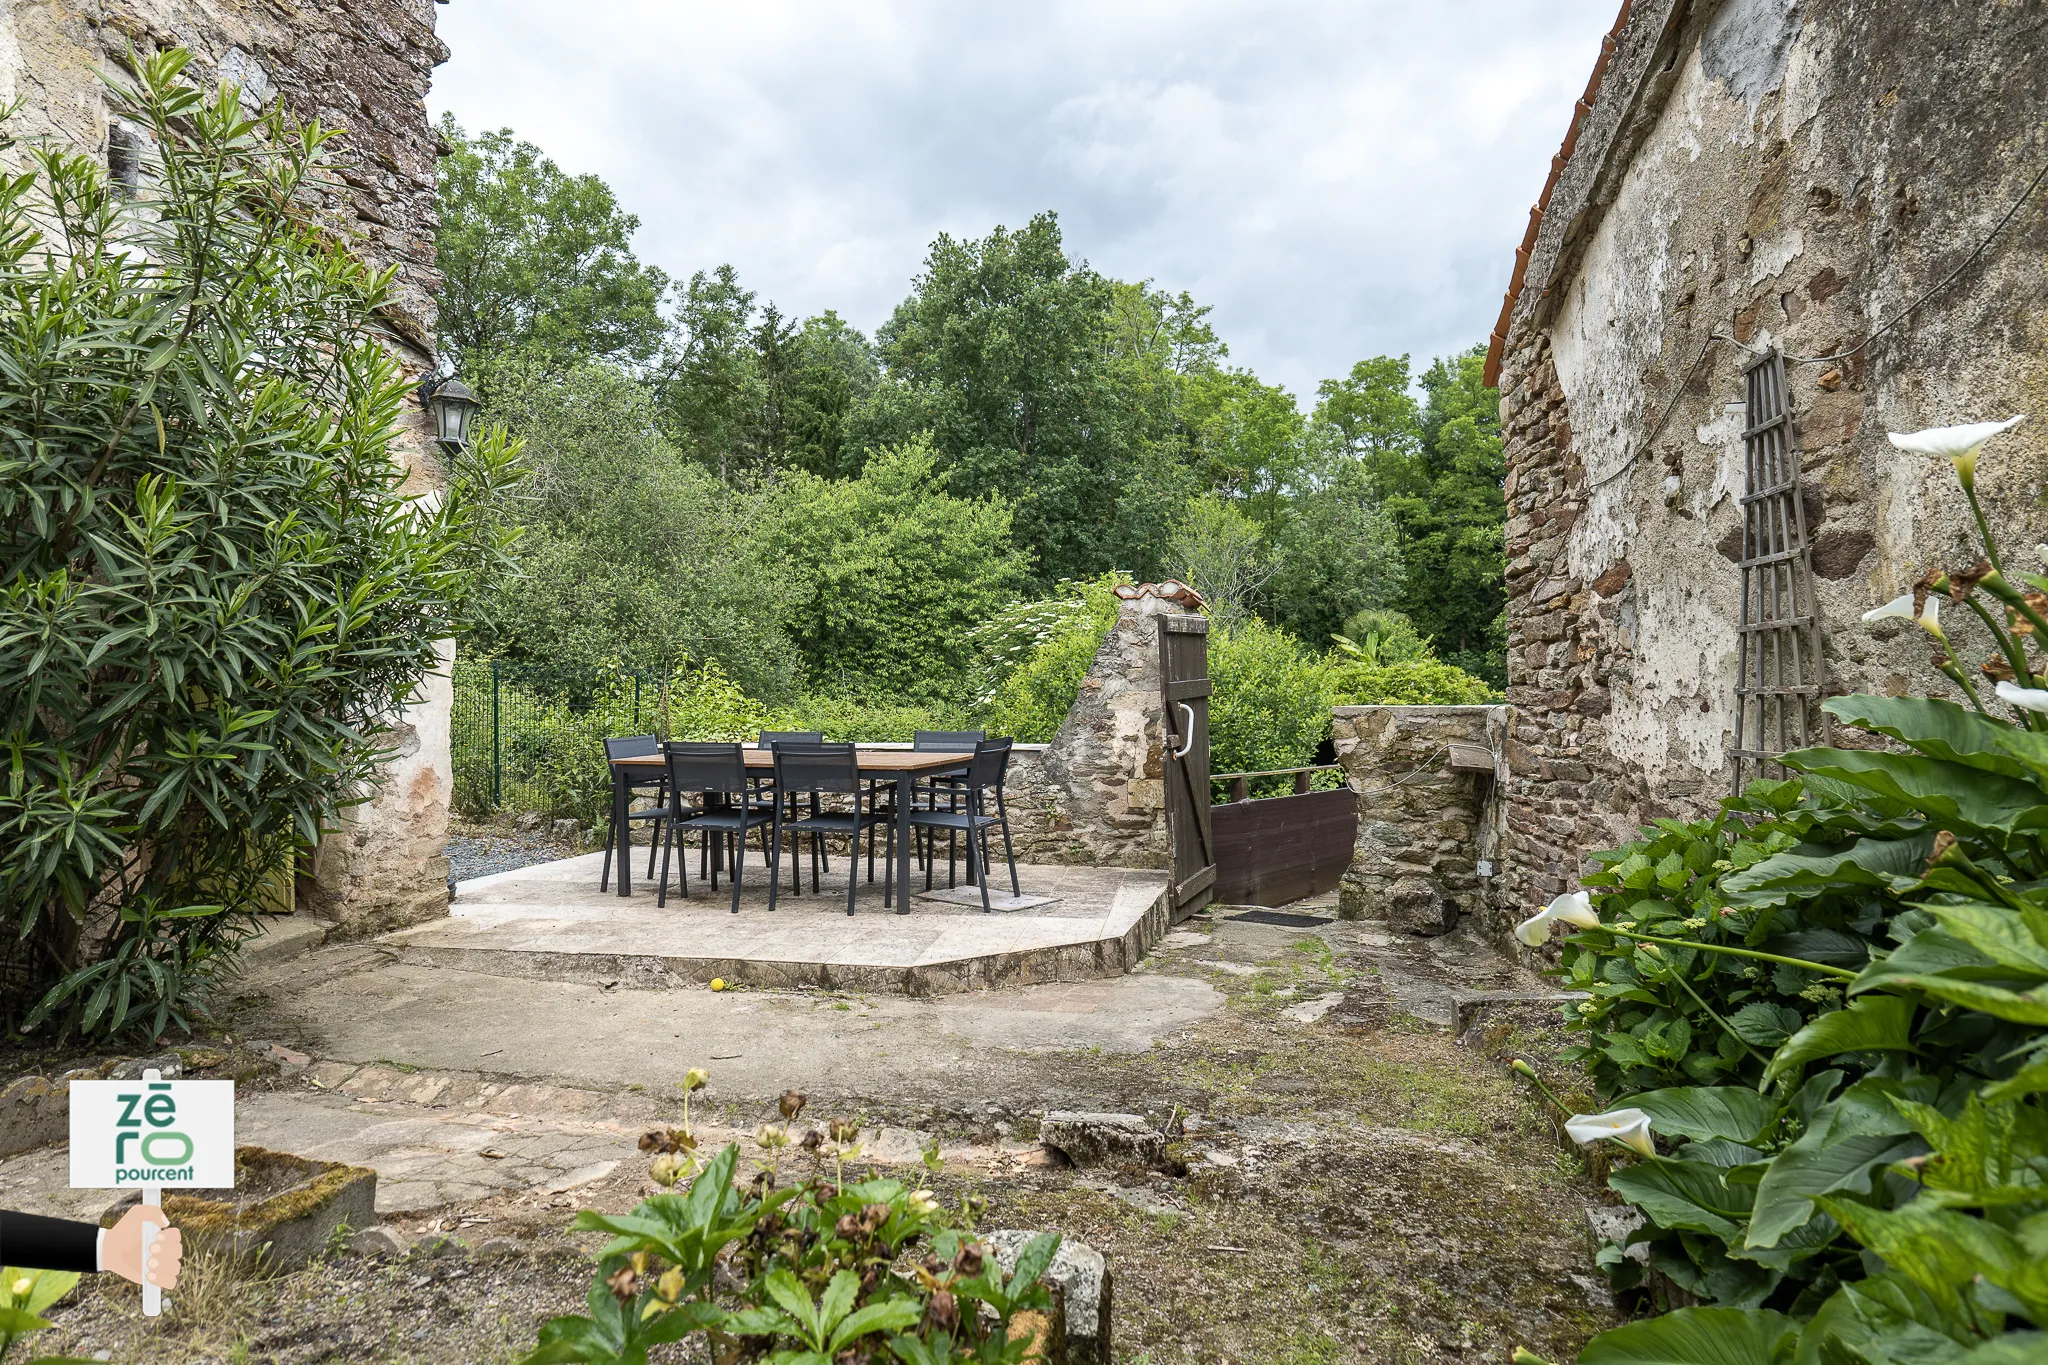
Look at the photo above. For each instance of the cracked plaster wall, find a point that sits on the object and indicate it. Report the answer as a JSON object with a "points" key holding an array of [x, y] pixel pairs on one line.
{"points": [[1805, 171], [362, 66]]}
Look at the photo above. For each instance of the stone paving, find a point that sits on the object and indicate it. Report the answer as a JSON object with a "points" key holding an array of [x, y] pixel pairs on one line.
{"points": [[550, 921]]}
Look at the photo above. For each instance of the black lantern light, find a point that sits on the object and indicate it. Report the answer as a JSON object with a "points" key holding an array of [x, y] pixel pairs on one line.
{"points": [[454, 406]]}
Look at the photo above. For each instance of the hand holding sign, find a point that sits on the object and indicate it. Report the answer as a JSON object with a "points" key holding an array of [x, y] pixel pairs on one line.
{"points": [[149, 1134], [122, 1252]]}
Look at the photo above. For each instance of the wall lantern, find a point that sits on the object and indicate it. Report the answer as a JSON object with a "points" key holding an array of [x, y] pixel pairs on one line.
{"points": [[454, 406]]}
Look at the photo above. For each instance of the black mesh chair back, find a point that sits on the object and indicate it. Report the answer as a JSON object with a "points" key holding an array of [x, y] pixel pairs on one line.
{"points": [[636, 746], [695, 766], [991, 761], [817, 767], [771, 738], [946, 741]]}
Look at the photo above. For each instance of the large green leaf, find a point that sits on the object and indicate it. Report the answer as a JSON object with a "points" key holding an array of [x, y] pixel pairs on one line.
{"points": [[1886, 864], [1930, 952], [1685, 1196], [2014, 1348], [1704, 1112], [1818, 1164], [1951, 794], [1996, 931], [1871, 1023], [1944, 730], [1889, 1320], [2018, 1007], [1698, 1336]]}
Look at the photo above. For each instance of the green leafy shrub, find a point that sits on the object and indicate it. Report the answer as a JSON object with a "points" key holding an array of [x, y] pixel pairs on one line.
{"points": [[861, 722], [891, 574], [1876, 1187], [1270, 707], [219, 593], [825, 1273], [553, 723], [1408, 682], [1032, 656]]}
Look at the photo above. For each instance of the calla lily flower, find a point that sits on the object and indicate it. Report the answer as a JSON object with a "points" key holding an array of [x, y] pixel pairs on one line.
{"points": [[1929, 617], [1573, 907], [1957, 445], [1630, 1127], [2026, 698]]}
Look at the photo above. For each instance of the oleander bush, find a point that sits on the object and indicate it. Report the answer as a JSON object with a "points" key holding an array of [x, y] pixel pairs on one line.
{"points": [[1824, 1015], [219, 592]]}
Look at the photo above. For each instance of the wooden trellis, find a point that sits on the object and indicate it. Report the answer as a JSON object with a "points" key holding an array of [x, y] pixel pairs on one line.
{"points": [[1781, 672]]}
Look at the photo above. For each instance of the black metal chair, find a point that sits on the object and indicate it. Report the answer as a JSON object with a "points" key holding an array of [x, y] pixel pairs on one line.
{"points": [[765, 791], [946, 784], [824, 770], [991, 762], [719, 773], [635, 746]]}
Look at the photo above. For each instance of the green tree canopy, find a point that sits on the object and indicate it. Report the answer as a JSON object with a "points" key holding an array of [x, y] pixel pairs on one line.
{"points": [[892, 571], [532, 256], [1001, 347], [635, 555]]}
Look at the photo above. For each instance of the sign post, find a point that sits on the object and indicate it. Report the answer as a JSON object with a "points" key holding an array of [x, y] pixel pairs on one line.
{"points": [[149, 1134]]}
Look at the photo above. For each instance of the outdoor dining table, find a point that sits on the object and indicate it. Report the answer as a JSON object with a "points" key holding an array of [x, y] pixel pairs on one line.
{"points": [[902, 766]]}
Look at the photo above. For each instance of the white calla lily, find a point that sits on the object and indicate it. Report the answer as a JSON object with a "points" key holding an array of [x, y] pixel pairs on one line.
{"points": [[1929, 616], [1573, 907], [1630, 1127], [2026, 698], [1958, 445]]}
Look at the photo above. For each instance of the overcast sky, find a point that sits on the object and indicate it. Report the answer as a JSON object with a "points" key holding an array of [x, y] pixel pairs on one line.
{"points": [[1339, 178]]}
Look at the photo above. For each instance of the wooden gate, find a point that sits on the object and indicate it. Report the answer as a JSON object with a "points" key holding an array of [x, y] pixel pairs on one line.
{"points": [[1184, 688]]}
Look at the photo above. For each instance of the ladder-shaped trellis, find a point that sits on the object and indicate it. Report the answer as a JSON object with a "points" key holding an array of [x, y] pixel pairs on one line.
{"points": [[1782, 670]]}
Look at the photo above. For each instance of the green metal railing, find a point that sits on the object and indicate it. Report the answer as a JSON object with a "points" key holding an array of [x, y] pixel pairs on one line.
{"points": [[530, 736]]}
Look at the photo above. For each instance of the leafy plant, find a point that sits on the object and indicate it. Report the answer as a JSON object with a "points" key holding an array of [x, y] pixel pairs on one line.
{"points": [[1877, 1190], [818, 1271], [1031, 657], [24, 1295], [219, 592]]}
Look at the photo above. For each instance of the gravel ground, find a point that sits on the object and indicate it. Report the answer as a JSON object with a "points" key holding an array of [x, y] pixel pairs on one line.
{"points": [[479, 855]]}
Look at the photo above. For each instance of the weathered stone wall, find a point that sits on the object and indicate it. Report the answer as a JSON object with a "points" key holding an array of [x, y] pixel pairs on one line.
{"points": [[1778, 174], [1097, 793], [362, 66], [1423, 828]]}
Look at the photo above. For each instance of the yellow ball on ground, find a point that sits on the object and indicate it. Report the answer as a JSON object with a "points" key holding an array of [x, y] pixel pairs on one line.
{"points": [[717, 983]]}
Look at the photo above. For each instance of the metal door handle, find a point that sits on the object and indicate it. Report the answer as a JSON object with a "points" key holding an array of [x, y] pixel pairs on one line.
{"points": [[1187, 731]]}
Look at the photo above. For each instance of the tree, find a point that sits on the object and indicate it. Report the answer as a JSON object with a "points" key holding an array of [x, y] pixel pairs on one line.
{"points": [[833, 372], [531, 256], [1335, 552], [1002, 353], [1217, 549], [219, 593], [635, 554], [892, 571], [710, 387], [1454, 536], [1370, 417]]}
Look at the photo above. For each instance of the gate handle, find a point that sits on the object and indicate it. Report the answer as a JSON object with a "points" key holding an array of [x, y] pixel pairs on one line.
{"points": [[1187, 732]]}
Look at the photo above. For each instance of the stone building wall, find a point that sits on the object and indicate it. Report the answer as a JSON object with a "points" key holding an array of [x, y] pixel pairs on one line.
{"points": [[1784, 175], [1425, 828], [362, 66]]}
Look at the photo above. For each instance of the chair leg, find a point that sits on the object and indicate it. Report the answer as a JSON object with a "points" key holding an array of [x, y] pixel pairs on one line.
{"points": [[871, 853], [739, 867], [775, 858], [680, 838], [604, 878], [1009, 849], [817, 858], [661, 887], [981, 836], [889, 866], [650, 845]]}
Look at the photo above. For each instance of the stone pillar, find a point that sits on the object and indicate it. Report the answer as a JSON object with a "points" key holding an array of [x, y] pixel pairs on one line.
{"points": [[1424, 826], [1097, 794]]}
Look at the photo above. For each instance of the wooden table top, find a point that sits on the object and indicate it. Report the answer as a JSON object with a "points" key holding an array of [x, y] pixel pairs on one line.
{"points": [[871, 760]]}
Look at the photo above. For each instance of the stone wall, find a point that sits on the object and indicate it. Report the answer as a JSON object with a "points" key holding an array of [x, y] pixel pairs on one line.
{"points": [[362, 66], [1097, 793], [1423, 826], [1778, 175]]}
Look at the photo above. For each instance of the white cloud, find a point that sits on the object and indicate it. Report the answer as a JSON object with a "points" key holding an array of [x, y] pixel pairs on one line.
{"points": [[1338, 179]]}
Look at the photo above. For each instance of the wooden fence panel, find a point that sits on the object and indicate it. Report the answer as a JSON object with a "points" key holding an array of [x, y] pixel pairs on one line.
{"points": [[1283, 848]]}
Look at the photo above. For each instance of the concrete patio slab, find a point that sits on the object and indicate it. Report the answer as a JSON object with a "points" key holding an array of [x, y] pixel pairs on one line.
{"points": [[549, 921]]}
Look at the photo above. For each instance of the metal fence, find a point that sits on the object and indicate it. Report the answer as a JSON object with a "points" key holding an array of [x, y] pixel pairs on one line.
{"points": [[530, 736]]}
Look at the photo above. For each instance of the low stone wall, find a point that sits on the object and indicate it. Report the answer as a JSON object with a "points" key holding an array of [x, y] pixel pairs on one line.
{"points": [[1423, 828]]}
